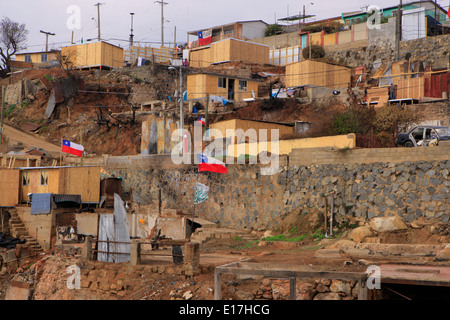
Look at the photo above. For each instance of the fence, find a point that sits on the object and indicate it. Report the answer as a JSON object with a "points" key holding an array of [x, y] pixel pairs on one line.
{"points": [[285, 56], [291, 54], [156, 55], [137, 251]]}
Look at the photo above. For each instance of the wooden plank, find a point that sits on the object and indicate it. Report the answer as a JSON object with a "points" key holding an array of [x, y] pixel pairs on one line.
{"points": [[291, 273], [292, 289], [217, 285], [9, 188]]}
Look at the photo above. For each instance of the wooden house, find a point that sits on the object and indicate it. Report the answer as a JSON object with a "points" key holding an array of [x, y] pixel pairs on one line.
{"points": [[229, 87], [37, 57], [315, 73], [229, 50], [100, 55], [84, 181]]}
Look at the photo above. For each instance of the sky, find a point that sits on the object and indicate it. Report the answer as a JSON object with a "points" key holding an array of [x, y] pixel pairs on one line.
{"points": [[182, 15]]}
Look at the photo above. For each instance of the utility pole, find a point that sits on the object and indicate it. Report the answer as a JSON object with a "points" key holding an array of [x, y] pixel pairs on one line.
{"points": [[175, 37], [46, 37], [131, 35], [98, 21], [162, 3], [399, 29]]}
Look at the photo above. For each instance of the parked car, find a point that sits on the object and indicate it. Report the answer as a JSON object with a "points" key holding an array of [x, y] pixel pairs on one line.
{"points": [[430, 135]]}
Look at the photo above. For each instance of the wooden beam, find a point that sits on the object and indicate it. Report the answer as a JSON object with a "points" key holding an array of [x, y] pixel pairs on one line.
{"points": [[292, 288], [274, 271]]}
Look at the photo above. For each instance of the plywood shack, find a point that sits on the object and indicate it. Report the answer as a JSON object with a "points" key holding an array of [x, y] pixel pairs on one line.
{"points": [[84, 181], [410, 88], [315, 73], [229, 87], [379, 95], [9, 187], [101, 55], [229, 50]]}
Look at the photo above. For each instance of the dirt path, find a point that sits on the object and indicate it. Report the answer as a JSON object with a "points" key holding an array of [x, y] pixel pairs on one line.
{"points": [[30, 140]]}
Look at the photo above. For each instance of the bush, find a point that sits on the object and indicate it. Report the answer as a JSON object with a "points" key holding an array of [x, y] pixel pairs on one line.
{"points": [[317, 52], [345, 123], [273, 29]]}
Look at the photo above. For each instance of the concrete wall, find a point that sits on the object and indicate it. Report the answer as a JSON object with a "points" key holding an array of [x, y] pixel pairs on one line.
{"points": [[409, 182], [287, 146], [385, 35], [41, 227]]}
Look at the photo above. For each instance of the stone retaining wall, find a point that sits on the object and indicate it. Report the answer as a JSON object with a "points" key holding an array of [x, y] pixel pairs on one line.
{"points": [[244, 198]]}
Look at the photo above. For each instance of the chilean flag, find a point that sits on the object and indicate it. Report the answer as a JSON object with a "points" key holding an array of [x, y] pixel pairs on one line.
{"points": [[211, 165], [204, 37], [72, 148], [201, 120], [448, 12]]}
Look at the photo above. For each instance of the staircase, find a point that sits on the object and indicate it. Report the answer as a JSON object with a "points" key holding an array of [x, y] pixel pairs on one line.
{"points": [[18, 230], [211, 231]]}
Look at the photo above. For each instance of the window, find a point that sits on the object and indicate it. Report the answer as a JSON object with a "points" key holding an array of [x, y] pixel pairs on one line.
{"points": [[229, 31], [44, 178], [26, 178], [27, 58], [222, 83], [243, 85], [44, 57]]}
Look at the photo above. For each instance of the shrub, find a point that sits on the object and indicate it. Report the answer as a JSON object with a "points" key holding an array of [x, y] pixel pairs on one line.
{"points": [[273, 29], [317, 52]]}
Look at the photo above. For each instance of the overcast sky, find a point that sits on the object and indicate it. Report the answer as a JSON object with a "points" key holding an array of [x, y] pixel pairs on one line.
{"points": [[185, 15]]}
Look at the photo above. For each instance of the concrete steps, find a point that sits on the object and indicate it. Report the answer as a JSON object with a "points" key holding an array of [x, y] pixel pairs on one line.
{"points": [[18, 230], [210, 232]]}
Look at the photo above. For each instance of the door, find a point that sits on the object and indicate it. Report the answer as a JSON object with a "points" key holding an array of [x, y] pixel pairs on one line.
{"points": [[304, 40], [231, 89]]}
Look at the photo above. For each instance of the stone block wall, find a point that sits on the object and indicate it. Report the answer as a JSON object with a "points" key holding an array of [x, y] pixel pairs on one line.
{"points": [[243, 198], [433, 50]]}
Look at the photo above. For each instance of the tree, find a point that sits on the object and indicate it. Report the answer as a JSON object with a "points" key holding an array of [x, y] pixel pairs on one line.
{"points": [[273, 29], [12, 36], [66, 61]]}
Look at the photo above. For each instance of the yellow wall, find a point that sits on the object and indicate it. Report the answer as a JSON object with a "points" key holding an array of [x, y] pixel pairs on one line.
{"points": [[329, 39], [309, 72], [94, 54], [286, 146], [198, 85], [36, 57]]}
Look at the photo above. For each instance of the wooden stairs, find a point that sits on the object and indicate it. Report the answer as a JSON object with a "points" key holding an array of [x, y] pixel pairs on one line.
{"points": [[18, 230]]}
